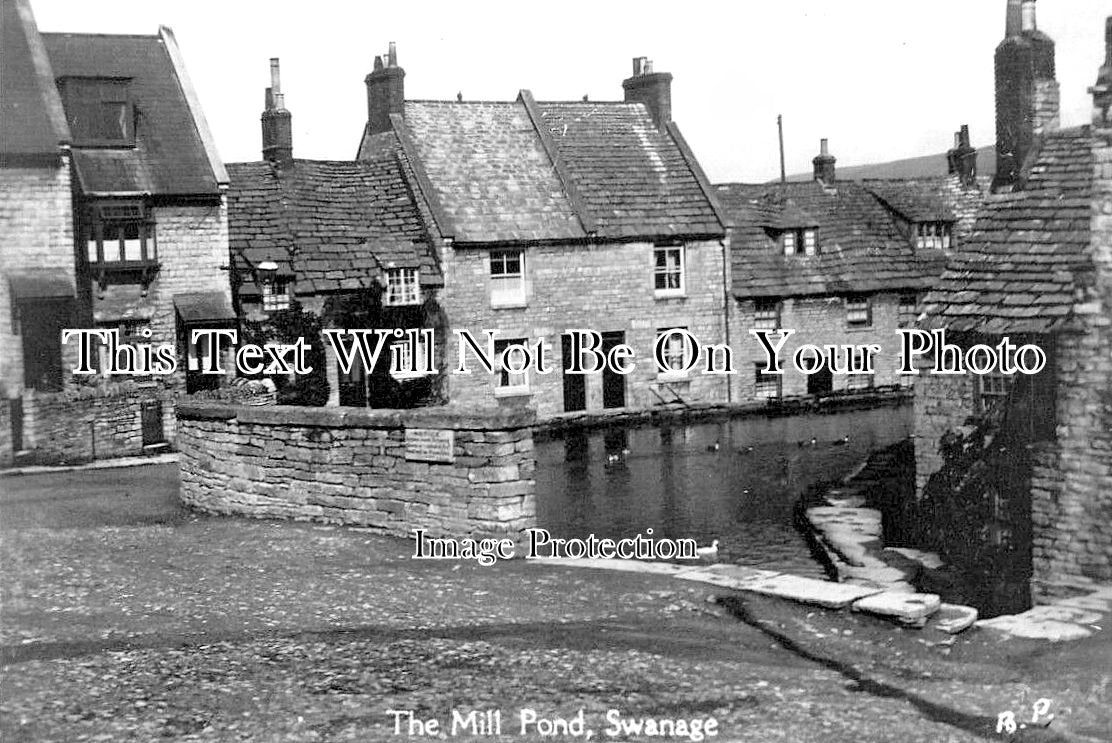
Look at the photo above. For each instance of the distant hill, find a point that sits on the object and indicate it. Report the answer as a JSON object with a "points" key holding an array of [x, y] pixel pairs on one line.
{"points": [[913, 167]]}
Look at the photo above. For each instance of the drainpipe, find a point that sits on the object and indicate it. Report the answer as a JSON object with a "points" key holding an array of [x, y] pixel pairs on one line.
{"points": [[726, 316]]}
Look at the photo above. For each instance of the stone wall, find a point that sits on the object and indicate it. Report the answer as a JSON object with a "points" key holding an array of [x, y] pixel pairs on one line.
{"points": [[354, 466], [6, 453], [606, 287], [942, 403], [86, 423], [36, 222], [819, 321], [193, 255]]}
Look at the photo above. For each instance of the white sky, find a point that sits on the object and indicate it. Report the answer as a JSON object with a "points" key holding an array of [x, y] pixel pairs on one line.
{"points": [[882, 80]]}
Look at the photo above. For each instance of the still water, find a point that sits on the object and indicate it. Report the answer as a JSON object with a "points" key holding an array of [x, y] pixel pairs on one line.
{"points": [[735, 480]]}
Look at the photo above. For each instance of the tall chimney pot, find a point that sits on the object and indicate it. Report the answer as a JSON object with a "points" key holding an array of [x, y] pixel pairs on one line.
{"points": [[1014, 21], [277, 122], [1027, 16], [653, 89], [824, 163], [385, 92]]}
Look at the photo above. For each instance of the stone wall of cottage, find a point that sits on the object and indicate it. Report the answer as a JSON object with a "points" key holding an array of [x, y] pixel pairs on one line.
{"points": [[942, 403], [36, 220], [606, 287], [819, 321], [6, 453], [193, 257], [361, 466]]}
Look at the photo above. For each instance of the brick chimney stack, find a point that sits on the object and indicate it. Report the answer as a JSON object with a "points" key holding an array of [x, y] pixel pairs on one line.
{"points": [[962, 160], [654, 89], [824, 164], [385, 92], [1027, 100], [277, 121], [1102, 91]]}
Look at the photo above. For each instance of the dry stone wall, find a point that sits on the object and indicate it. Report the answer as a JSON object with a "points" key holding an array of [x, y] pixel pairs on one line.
{"points": [[450, 471]]}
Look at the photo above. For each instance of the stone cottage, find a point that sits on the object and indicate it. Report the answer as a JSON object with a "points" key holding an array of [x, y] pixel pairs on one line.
{"points": [[114, 199], [1026, 460], [549, 217], [331, 244], [841, 263]]}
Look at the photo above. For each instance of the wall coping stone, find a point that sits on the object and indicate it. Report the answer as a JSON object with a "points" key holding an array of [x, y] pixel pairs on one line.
{"points": [[447, 416]]}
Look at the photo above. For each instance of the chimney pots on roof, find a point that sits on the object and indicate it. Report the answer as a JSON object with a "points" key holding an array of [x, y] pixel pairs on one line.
{"points": [[385, 92], [1013, 21], [824, 163], [652, 89], [277, 122], [1027, 16]]}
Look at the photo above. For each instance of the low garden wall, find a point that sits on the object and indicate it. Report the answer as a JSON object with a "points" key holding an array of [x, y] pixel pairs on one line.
{"points": [[453, 472]]}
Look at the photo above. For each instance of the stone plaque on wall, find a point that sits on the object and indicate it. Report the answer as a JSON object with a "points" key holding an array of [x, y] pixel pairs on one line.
{"points": [[429, 445]]}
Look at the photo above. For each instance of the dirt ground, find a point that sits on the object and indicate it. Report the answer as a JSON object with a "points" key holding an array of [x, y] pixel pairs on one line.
{"points": [[127, 618]]}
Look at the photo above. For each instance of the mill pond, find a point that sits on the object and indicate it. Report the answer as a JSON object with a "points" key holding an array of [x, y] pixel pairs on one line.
{"points": [[736, 480]]}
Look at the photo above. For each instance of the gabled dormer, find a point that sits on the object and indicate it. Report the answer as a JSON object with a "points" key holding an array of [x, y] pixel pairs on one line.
{"points": [[795, 231]]}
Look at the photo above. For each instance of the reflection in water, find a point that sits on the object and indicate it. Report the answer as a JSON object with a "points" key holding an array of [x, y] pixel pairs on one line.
{"points": [[735, 480]]}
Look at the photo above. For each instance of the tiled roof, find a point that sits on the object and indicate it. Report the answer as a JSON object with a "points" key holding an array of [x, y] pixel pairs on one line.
{"points": [[490, 171], [863, 246], [1026, 262], [914, 200], [633, 177], [31, 121], [524, 172], [334, 226], [169, 156]]}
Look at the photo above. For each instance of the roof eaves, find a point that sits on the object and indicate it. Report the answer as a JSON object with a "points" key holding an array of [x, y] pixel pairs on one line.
{"points": [[697, 171], [177, 62], [578, 205]]}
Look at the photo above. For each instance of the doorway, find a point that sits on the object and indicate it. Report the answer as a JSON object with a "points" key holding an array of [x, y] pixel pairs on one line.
{"points": [[613, 384], [575, 385]]}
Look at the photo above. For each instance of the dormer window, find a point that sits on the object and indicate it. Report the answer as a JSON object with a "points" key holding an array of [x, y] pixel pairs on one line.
{"points": [[276, 293], [797, 241], [933, 235], [402, 287], [99, 111]]}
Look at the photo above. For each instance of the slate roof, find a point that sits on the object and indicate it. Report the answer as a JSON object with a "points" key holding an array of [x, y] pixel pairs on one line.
{"points": [[31, 118], [863, 244], [1026, 263], [519, 172], [333, 226], [634, 179], [169, 156]]}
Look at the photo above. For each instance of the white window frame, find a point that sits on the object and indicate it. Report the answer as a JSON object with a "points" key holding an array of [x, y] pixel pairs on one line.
{"points": [[859, 381], [767, 386], [507, 287], [508, 384], [859, 311], [810, 242], [788, 241], [402, 287], [766, 317], [670, 272], [678, 349], [933, 235], [275, 294]]}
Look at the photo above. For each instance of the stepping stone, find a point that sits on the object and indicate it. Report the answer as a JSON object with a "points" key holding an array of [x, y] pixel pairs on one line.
{"points": [[1049, 629], [908, 608], [624, 566], [810, 591], [881, 574], [1092, 602], [728, 576], [953, 618], [1058, 613], [926, 559]]}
